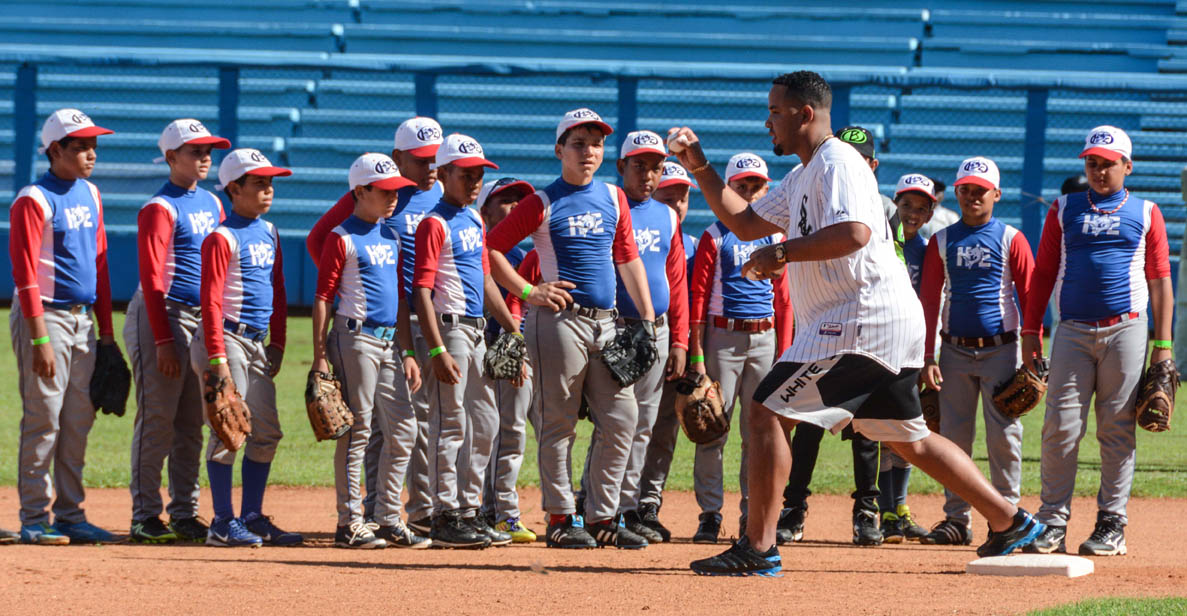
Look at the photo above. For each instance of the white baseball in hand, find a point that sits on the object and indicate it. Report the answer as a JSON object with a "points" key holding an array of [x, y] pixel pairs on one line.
{"points": [[676, 141]]}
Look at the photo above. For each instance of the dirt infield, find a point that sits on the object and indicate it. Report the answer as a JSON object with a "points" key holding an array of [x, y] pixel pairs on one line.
{"points": [[826, 574]]}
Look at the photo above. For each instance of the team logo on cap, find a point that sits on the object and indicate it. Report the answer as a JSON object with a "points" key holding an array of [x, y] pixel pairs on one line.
{"points": [[428, 133], [674, 169], [581, 114], [257, 157], [646, 139], [748, 163], [385, 167], [469, 147], [80, 118], [1101, 138], [976, 166], [197, 127], [854, 135], [916, 179]]}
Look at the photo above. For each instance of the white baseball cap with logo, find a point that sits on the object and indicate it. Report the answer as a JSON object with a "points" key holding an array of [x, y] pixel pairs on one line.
{"points": [[246, 161], [746, 165], [68, 123], [642, 142], [980, 171], [916, 182], [378, 170], [1107, 142], [577, 117], [673, 174], [463, 151], [419, 136], [187, 130]]}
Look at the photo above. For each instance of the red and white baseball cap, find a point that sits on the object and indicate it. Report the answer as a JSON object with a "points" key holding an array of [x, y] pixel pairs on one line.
{"points": [[187, 130], [246, 161], [419, 136], [746, 165], [378, 170], [68, 123], [462, 151], [916, 182], [495, 187], [980, 171], [642, 142], [673, 174], [577, 117], [1108, 142]]}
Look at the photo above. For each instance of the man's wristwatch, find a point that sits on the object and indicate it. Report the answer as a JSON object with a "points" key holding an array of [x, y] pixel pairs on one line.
{"points": [[781, 253]]}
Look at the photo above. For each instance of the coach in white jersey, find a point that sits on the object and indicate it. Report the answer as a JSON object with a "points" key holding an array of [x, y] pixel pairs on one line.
{"points": [[859, 336]]}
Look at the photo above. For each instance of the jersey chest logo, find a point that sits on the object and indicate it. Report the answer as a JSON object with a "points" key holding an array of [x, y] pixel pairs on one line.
{"points": [[973, 257], [201, 223], [471, 238], [742, 253], [262, 254], [1101, 224], [647, 240], [78, 217], [805, 228], [411, 221], [584, 225], [381, 254]]}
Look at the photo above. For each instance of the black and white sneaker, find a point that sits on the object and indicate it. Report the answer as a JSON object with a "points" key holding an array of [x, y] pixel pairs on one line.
{"points": [[451, 531], [614, 533], [741, 560], [1021, 533], [359, 535], [634, 523], [948, 532], [480, 525], [400, 536], [570, 534], [865, 528], [790, 527], [708, 529], [1054, 539], [1107, 539], [422, 526], [649, 515]]}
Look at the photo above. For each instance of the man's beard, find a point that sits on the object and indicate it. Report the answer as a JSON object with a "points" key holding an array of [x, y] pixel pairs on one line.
{"points": [[778, 150]]}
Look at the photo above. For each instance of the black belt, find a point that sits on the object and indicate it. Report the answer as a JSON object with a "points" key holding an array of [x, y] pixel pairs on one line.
{"points": [[457, 319], [593, 313], [975, 342], [374, 329], [71, 308], [247, 331], [659, 321]]}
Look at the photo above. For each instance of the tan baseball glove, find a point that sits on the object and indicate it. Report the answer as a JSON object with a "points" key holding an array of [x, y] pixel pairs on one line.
{"points": [[228, 415], [1156, 396], [1022, 392], [699, 408], [329, 415]]}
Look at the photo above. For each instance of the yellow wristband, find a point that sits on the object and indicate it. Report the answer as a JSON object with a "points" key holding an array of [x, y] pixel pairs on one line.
{"points": [[40, 341], [218, 361], [527, 290], [435, 351]]}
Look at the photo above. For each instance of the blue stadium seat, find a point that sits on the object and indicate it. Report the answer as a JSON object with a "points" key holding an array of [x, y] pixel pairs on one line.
{"points": [[264, 11], [141, 118], [993, 141], [1043, 54], [165, 33], [1106, 26]]}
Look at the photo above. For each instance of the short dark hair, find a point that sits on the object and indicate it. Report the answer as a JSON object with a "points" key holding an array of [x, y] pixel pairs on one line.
{"points": [[939, 186], [807, 87], [64, 142], [241, 181], [565, 135], [1074, 184]]}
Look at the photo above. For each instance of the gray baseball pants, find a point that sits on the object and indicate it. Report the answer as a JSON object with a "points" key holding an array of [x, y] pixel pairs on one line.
{"points": [[56, 416], [740, 361], [500, 497], [463, 422], [1086, 359], [970, 374], [660, 449], [566, 355], [648, 392], [420, 487], [169, 415], [249, 372]]}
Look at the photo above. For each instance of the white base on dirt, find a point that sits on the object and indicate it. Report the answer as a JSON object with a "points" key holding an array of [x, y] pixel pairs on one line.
{"points": [[1032, 564]]}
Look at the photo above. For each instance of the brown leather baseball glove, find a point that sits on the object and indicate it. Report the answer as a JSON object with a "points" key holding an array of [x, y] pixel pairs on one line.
{"points": [[329, 415], [1022, 392], [699, 408], [226, 412], [1156, 396]]}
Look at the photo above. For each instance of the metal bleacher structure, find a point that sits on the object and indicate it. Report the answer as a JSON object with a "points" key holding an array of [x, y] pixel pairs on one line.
{"points": [[314, 83]]}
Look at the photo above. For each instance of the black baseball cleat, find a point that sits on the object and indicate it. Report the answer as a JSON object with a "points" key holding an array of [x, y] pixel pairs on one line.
{"points": [[497, 538], [152, 530], [359, 535], [892, 528], [422, 526], [570, 534], [649, 514], [741, 560], [709, 528], [1108, 538], [450, 530], [865, 528], [400, 536], [1054, 539], [192, 529], [790, 527], [634, 523], [1021, 533], [614, 533], [948, 532]]}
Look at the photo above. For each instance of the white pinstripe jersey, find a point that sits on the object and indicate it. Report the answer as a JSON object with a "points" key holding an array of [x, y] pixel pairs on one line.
{"points": [[859, 304]]}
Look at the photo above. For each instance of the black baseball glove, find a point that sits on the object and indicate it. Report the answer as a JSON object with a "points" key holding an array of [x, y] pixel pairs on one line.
{"points": [[632, 352], [111, 381], [504, 359]]}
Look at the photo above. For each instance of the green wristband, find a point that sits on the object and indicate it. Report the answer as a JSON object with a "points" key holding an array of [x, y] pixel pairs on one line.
{"points": [[1164, 344], [218, 361], [435, 351], [527, 290], [696, 359], [40, 341], [410, 353]]}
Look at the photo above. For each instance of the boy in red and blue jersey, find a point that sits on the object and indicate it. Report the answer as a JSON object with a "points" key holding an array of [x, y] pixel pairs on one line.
{"points": [[243, 301], [1104, 254], [978, 265], [163, 317], [583, 236], [58, 247]]}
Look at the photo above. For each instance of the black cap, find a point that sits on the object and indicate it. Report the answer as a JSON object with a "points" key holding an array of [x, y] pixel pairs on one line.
{"points": [[859, 138], [1074, 184]]}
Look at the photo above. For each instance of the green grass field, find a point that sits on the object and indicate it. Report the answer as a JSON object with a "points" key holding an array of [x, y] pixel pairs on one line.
{"points": [[1119, 606], [1162, 458]]}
